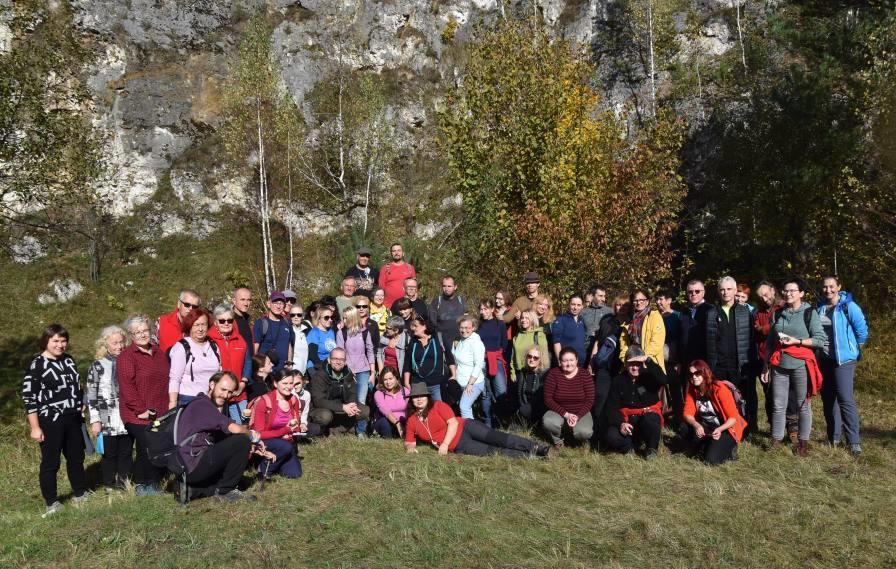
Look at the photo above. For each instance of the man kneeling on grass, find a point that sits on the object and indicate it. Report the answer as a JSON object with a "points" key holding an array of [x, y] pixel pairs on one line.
{"points": [[634, 411], [217, 455]]}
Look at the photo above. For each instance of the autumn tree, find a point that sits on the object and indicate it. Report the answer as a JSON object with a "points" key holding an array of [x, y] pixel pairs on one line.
{"points": [[548, 181]]}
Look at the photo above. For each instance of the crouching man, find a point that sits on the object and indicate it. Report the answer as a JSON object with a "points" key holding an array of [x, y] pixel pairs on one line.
{"points": [[217, 449], [334, 396]]}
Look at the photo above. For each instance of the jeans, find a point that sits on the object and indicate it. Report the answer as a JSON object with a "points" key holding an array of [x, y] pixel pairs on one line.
{"points": [[555, 424], [840, 410], [144, 471], [384, 428], [235, 411], [62, 436], [220, 467], [435, 391], [117, 460], [479, 440], [184, 399], [287, 463], [781, 383], [498, 391], [646, 428], [363, 384], [468, 399]]}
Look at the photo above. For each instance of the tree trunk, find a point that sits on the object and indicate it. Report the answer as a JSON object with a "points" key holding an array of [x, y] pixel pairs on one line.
{"points": [[652, 65], [740, 36], [262, 202]]}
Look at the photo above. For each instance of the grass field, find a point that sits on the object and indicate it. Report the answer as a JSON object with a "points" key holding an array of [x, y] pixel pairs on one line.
{"points": [[368, 504]]}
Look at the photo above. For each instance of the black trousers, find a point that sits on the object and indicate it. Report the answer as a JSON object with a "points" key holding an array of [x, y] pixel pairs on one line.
{"points": [[117, 459], [144, 471], [62, 436], [337, 422], [647, 429], [713, 451], [479, 440], [602, 380], [221, 467]]}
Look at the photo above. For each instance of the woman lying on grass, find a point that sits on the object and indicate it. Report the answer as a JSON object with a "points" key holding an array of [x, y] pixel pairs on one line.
{"points": [[434, 422]]}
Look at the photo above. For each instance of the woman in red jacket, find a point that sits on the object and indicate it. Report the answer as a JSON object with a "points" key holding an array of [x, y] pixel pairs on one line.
{"points": [[710, 410], [235, 357], [277, 417]]}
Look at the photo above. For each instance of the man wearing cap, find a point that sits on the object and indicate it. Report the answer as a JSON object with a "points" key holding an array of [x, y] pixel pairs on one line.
{"points": [[634, 411], [531, 280], [393, 274], [273, 334], [365, 275]]}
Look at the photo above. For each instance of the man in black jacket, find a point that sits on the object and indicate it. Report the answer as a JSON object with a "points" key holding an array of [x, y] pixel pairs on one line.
{"points": [[691, 341], [334, 396], [731, 348]]}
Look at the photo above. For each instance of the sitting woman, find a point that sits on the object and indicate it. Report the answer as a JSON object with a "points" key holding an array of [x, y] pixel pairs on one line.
{"points": [[634, 411], [262, 366], [277, 418], [530, 384], [568, 396], [433, 422], [391, 402], [102, 402], [710, 410]]}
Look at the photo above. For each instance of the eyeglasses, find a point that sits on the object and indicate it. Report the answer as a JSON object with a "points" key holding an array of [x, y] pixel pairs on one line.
{"points": [[640, 300], [695, 291], [140, 332], [790, 290], [528, 357], [225, 320], [296, 314], [332, 359], [188, 305]]}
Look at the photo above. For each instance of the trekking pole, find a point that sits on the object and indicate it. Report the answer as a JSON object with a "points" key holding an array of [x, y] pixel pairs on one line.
{"points": [[264, 477]]}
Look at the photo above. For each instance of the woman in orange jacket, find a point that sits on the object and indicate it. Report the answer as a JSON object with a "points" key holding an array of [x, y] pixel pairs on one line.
{"points": [[710, 409]]}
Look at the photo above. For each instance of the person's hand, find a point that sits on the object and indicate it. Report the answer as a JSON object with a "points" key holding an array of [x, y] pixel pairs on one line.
{"points": [[699, 432], [788, 341], [37, 434], [351, 409], [240, 388], [372, 379], [626, 429], [717, 433], [677, 369], [144, 415], [412, 450], [468, 390], [571, 420], [95, 428], [400, 429], [303, 428], [443, 449], [765, 376]]}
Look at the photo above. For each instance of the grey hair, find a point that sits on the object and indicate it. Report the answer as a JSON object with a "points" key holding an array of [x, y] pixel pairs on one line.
{"points": [[396, 322], [468, 318], [222, 309], [134, 320], [729, 280], [101, 348]]}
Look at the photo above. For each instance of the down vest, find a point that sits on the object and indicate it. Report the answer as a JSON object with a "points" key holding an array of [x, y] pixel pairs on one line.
{"points": [[743, 326]]}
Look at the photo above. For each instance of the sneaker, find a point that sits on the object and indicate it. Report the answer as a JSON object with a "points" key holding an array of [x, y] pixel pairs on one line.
{"points": [[651, 455], [855, 449], [734, 453], [542, 450], [362, 436], [79, 501], [53, 508], [143, 490], [236, 495]]}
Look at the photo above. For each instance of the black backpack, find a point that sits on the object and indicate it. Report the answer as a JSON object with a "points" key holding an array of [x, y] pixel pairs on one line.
{"points": [[163, 444]]}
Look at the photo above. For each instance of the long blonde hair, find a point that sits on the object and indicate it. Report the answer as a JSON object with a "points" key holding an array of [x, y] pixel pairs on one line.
{"points": [[101, 345], [351, 320]]}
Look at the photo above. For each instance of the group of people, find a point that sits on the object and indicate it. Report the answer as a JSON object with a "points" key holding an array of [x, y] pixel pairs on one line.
{"points": [[378, 359]]}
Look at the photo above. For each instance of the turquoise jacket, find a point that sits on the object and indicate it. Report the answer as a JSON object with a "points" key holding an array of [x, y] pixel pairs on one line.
{"points": [[850, 329]]}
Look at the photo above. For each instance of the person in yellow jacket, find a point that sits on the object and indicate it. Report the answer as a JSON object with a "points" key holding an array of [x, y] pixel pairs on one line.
{"points": [[646, 329]]}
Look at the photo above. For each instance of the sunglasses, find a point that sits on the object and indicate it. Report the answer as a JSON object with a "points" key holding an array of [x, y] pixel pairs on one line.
{"points": [[696, 374], [188, 305], [225, 320], [296, 314], [362, 306], [528, 357], [326, 318]]}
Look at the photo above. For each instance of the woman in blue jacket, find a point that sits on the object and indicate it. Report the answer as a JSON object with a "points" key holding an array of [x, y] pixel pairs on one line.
{"points": [[846, 329]]}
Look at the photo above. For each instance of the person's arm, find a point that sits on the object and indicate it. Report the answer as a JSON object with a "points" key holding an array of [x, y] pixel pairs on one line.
{"points": [[450, 433], [176, 373], [410, 436], [817, 337], [368, 347], [246, 373], [690, 410], [657, 336], [502, 330], [478, 349], [856, 319], [623, 341], [588, 403], [93, 392], [290, 352]]}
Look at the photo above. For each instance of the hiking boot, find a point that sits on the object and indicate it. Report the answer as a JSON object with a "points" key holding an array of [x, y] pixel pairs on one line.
{"points": [[802, 449], [855, 449], [53, 508], [774, 444], [558, 447], [236, 495], [651, 455], [143, 490], [542, 450]]}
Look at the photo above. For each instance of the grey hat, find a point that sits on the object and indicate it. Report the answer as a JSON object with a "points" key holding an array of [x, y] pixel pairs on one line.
{"points": [[635, 354], [364, 251], [531, 277], [290, 294], [419, 389]]}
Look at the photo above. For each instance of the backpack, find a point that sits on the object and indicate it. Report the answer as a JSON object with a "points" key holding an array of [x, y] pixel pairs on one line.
{"points": [[739, 400], [188, 353], [364, 334], [162, 442]]}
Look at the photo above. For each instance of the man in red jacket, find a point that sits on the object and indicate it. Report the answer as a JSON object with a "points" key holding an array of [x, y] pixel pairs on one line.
{"points": [[168, 331]]}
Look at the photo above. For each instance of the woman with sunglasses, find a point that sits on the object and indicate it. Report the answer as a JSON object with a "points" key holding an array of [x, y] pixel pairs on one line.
{"points": [[529, 333], [234, 357], [321, 338], [646, 329], [709, 408], [530, 384], [300, 344]]}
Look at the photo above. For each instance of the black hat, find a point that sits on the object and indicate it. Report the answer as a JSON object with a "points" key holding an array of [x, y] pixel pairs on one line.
{"points": [[531, 277]]}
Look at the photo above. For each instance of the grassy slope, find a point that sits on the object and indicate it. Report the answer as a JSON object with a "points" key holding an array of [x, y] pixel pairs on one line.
{"points": [[366, 504]]}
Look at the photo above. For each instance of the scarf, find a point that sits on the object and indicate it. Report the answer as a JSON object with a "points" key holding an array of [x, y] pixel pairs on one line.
{"points": [[637, 323]]}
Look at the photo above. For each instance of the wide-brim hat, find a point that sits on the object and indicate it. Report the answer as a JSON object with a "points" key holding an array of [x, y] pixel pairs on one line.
{"points": [[531, 277], [419, 390], [635, 354]]}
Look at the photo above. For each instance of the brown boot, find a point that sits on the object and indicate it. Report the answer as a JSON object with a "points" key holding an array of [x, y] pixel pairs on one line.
{"points": [[802, 449], [774, 444]]}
